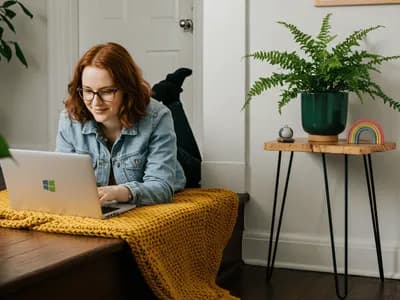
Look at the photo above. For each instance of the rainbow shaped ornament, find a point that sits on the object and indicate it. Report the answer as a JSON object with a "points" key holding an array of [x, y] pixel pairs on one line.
{"points": [[362, 126]]}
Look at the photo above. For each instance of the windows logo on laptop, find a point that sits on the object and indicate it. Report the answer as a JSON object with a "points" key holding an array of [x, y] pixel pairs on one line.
{"points": [[49, 185]]}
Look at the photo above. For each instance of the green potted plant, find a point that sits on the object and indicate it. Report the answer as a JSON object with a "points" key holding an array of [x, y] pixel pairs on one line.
{"points": [[7, 15], [323, 77]]}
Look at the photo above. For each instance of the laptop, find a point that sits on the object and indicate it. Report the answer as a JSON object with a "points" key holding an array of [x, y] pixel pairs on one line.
{"points": [[55, 182]]}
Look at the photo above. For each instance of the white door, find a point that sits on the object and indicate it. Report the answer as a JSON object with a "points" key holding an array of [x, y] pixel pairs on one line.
{"points": [[149, 29]]}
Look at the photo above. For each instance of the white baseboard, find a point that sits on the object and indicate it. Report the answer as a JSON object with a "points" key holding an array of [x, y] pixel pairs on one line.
{"points": [[224, 174], [312, 253]]}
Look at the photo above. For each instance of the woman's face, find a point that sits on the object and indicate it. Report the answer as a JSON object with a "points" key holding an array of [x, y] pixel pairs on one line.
{"points": [[106, 103]]}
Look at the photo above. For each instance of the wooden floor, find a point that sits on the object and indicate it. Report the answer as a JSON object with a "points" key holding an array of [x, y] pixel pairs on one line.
{"points": [[304, 285]]}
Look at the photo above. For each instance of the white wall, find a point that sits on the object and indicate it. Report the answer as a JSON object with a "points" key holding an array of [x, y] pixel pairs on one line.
{"points": [[305, 235], [223, 93], [23, 100]]}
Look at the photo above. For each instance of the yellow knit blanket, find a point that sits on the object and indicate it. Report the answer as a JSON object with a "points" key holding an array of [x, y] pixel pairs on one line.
{"points": [[178, 246]]}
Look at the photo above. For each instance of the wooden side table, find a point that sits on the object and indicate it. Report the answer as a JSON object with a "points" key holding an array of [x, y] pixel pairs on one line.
{"points": [[342, 148]]}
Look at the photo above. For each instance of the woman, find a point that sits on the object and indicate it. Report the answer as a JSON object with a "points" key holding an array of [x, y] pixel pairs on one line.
{"points": [[130, 137]]}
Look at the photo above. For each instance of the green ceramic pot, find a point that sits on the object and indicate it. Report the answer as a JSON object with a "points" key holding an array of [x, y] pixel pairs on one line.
{"points": [[324, 113]]}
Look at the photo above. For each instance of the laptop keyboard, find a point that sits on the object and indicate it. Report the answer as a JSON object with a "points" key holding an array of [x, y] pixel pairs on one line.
{"points": [[107, 209]]}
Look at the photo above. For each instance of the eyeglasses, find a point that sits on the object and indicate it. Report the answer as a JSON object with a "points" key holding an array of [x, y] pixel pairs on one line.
{"points": [[106, 95]]}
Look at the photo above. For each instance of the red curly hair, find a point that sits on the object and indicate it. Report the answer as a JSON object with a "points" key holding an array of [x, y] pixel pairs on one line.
{"points": [[126, 75]]}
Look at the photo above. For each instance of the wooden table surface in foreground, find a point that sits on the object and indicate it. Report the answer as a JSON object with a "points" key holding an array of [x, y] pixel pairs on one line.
{"points": [[38, 265], [340, 147]]}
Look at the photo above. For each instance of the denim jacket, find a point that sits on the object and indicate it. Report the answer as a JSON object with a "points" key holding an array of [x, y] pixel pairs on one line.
{"points": [[143, 158]]}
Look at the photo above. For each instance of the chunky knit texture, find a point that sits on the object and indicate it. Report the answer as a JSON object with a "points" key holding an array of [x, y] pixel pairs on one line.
{"points": [[178, 246]]}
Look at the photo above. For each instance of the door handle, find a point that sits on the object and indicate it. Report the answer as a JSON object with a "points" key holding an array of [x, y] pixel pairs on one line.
{"points": [[186, 24]]}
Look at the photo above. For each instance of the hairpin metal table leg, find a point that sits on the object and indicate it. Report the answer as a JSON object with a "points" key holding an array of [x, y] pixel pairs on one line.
{"points": [[345, 227], [272, 254], [369, 175]]}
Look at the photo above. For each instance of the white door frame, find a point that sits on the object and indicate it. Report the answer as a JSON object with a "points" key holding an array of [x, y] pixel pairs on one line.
{"points": [[63, 51], [62, 40]]}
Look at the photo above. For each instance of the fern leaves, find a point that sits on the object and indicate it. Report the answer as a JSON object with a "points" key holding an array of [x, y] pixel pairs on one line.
{"points": [[352, 40], [323, 35], [337, 69], [288, 61], [263, 84], [306, 41]]}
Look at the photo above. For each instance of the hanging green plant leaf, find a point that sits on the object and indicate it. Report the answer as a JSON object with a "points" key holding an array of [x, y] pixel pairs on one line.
{"points": [[5, 50], [7, 14], [26, 11], [9, 24], [4, 152], [9, 3], [19, 54]]}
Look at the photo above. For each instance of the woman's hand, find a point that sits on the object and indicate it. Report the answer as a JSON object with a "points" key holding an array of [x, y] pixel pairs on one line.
{"points": [[113, 192]]}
